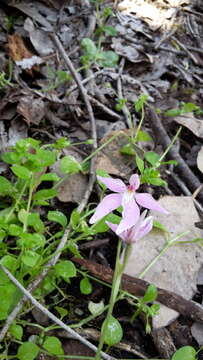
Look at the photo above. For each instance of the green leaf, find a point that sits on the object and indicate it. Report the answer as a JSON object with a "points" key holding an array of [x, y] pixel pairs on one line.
{"points": [[9, 262], [109, 30], [46, 157], [101, 225], [23, 215], [160, 226], [150, 294], [143, 136], [53, 345], [127, 149], [35, 221], [7, 294], [74, 219], [58, 217], [107, 12], [185, 353], [108, 59], [89, 48], [30, 258], [6, 188], [16, 331], [113, 331], [27, 351], [61, 143], [141, 101], [173, 112], [11, 157], [45, 194], [152, 157], [96, 308], [85, 286], [31, 241], [69, 165], [15, 230], [62, 312], [2, 235], [21, 171], [49, 177], [139, 163], [189, 107], [65, 269]]}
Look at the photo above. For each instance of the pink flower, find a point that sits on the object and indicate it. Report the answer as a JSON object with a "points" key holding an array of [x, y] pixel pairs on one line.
{"points": [[142, 227], [128, 198]]}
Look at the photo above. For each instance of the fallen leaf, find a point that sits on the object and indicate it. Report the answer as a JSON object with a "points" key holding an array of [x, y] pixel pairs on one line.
{"points": [[191, 122], [38, 38], [177, 268], [110, 158], [73, 188], [17, 48], [32, 110]]}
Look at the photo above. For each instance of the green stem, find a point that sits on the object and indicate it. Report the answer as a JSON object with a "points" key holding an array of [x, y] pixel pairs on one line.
{"points": [[170, 145], [114, 291], [28, 203], [163, 250], [17, 202], [140, 124]]}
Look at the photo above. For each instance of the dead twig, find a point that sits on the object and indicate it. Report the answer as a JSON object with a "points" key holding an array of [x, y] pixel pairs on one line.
{"points": [[125, 110], [52, 316], [138, 287], [158, 128]]}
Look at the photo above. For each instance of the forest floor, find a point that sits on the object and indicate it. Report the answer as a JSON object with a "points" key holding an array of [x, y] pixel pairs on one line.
{"points": [[109, 88]]}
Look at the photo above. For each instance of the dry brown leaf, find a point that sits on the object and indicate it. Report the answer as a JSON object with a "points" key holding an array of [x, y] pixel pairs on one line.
{"points": [[73, 188], [32, 110], [191, 122], [110, 159], [17, 48]]}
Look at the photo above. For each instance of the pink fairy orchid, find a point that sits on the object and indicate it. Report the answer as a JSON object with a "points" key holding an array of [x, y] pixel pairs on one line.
{"points": [[128, 198], [142, 227]]}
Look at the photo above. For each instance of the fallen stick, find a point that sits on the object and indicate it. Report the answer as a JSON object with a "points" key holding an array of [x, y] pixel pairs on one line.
{"points": [[138, 287]]}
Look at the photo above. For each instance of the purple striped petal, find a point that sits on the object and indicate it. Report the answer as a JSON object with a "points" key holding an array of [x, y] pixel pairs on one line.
{"points": [[147, 201], [108, 204], [115, 185], [130, 215], [134, 181]]}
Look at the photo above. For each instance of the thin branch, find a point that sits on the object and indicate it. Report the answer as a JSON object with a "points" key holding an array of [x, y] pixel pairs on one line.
{"points": [[159, 130], [73, 333]]}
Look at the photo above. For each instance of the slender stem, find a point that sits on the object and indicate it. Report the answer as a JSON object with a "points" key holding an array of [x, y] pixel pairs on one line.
{"points": [[171, 144], [115, 289], [163, 250], [111, 301], [28, 204], [140, 123], [17, 202]]}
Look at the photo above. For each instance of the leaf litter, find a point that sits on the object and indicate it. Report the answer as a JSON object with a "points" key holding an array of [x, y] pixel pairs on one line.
{"points": [[161, 43]]}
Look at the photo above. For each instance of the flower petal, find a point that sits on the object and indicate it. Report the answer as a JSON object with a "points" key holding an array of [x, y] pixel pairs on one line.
{"points": [[130, 214], [134, 181], [145, 228], [108, 204], [114, 227], [147, 201], [115, 185]]}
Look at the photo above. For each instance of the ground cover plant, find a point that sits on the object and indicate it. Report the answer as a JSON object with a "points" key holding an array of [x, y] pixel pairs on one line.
{"points": [[85, 106]]}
